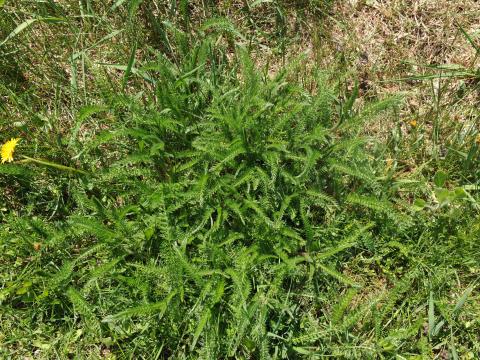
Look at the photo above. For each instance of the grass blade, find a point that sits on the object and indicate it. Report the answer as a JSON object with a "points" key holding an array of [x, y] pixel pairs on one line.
{"points": [[18, 30], [129, 67], [431, 315], [462, 300]]}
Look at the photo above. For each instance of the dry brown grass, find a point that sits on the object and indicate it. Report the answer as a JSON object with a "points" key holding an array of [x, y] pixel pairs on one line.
{"points": [[385, 44], [376, 41], [389, 40]]}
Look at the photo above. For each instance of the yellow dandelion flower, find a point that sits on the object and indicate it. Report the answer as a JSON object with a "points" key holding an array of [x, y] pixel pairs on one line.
{"points": [[413, 123], [7, 150]]}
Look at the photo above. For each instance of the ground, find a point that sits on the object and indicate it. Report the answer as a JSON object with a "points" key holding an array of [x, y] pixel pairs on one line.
{"points": [[267, 179]]}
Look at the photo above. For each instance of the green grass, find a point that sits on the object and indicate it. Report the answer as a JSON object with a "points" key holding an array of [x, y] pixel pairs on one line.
{"points": [[182, 203]]}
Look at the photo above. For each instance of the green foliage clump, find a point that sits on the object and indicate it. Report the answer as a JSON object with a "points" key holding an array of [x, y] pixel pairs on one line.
{"points": [[224, 213]]}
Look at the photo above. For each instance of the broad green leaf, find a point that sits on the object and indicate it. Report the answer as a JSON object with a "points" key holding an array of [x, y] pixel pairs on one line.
{"points": [[440, 178], [419, 204], [443, 196], [462, 300]]}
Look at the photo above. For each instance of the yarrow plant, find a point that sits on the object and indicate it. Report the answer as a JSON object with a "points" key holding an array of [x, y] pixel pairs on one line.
{"points": [[230, 211]]}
